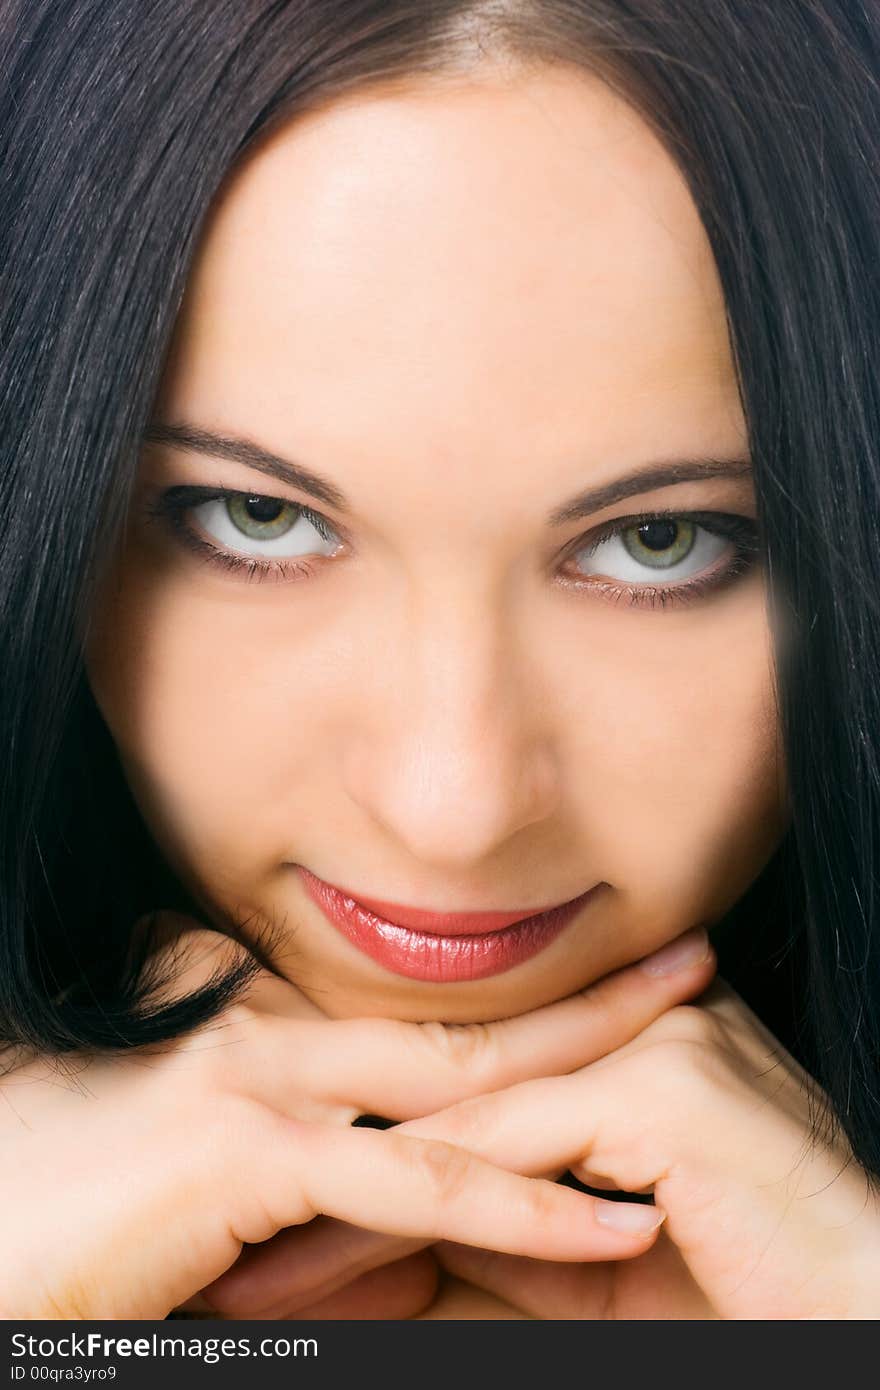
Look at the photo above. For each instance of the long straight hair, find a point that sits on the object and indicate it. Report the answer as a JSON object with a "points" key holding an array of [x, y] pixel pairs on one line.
{"points": [[119, 120]]}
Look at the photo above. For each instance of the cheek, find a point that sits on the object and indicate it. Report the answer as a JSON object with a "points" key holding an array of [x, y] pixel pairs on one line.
{"points": [[216, 719], [683, 795], [671, 763]]}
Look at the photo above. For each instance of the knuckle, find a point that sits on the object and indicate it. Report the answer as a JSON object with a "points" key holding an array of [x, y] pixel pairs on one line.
{"points": [[446, 1168], [240, 1020], [541, 1201], [213, 1055], [252, 1205], [467, 1047], [690, 1023], [228, 1130], [469, 1123], [688, 1055], [688, 1073], [206, 1064]]}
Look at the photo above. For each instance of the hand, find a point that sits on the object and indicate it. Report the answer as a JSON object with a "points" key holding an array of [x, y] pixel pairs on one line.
{"points": [[131, 1180], [707, 1109], [332, 1269]]}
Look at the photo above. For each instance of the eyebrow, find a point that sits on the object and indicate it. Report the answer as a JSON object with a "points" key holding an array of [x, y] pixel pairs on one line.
{"points": [[195, 439], [654, 475]]}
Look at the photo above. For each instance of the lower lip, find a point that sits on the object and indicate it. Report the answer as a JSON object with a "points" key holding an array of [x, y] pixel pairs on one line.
{"points": [[440, 959]]}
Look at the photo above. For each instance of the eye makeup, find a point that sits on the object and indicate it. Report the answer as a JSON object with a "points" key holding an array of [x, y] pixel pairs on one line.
{"points": [[172, 506], [739, 557]]}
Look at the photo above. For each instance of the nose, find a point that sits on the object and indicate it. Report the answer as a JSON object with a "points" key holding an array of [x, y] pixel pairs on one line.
{"points": [[450, 750]]}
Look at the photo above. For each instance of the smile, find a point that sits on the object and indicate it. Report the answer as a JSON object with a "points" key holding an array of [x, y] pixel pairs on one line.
{"points": [[442, 948]]}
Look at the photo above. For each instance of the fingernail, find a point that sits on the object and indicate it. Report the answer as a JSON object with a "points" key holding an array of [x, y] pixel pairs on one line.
{"points": [[632, 1218], [685, 951]]}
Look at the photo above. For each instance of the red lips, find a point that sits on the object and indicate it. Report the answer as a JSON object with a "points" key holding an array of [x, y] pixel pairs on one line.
{"points": [[447, 923], [437, 946]]}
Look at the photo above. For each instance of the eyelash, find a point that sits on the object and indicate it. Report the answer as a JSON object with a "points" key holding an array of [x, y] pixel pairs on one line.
{"points": [[171, 506], [734, 527]]}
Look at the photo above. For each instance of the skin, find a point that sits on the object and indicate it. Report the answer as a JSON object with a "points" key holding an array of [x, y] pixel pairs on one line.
{"points": [[462, 303], [179, 1158], [505, 268]]}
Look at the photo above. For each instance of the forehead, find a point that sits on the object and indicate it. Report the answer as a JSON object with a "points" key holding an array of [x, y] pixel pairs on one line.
{"points": [[428, 245]]}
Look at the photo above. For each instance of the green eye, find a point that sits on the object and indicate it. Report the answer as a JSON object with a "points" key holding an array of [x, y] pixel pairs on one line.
{"points": [[660, 542], [687, 550], [261, 518]]}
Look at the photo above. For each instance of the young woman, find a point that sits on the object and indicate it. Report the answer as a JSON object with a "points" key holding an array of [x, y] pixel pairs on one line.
{"points": [[440, 569]]}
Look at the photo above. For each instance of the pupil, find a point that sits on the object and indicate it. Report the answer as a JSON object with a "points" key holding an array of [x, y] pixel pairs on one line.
{"points": [[658, 535], [264, 508]]}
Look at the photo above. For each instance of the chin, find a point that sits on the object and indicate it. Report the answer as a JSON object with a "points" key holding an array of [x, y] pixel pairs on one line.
{"points": [[479, 1001]]}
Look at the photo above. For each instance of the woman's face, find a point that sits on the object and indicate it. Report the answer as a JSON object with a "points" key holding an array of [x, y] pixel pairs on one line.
{"points": [[453, 310]]}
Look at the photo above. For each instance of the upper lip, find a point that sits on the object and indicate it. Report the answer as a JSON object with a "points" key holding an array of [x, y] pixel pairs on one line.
{"points": [[445, 923]]}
